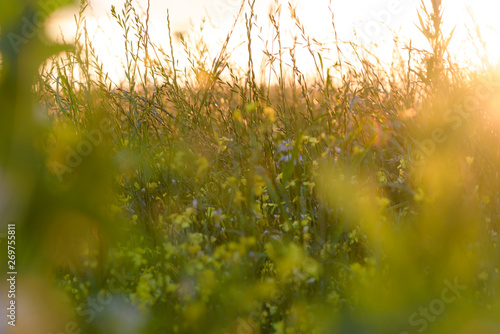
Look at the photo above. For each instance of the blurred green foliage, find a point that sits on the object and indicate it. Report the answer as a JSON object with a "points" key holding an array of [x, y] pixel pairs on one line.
{"points": [[199, 201]]}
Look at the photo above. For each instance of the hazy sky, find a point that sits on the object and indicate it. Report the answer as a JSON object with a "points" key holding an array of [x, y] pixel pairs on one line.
{"points": [[371, 19], [184, 11]]}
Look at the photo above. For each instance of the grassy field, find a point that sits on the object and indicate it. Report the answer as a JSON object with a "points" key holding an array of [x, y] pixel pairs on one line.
{"points": [[361, 198]]}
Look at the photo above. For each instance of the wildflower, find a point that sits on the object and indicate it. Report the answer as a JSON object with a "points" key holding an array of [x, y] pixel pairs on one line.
{"points": [[237, 116], [409, 113], [269, 114]]}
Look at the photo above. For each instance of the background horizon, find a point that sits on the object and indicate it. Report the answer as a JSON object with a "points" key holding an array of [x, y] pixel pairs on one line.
{"points": [[366, 22]]}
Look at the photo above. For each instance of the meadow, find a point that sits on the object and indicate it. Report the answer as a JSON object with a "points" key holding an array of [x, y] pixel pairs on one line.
{"points": [[360, 198]]}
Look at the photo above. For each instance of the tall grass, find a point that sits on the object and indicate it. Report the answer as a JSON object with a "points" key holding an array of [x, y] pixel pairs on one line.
{"points": [[343, 201]]}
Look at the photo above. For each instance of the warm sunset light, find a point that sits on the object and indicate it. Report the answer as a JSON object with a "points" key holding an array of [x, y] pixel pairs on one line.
{"points": [[367, 22], [250, 167]]}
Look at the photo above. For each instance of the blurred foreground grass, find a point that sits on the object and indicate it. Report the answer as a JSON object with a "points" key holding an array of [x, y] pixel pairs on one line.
{"points": [[363, 199]]}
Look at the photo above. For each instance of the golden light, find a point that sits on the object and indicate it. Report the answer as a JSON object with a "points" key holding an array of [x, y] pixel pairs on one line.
{"points": [[366, 22]]}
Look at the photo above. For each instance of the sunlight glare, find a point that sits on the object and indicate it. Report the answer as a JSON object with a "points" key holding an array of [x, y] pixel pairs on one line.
{"points": [[368, 22]]}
